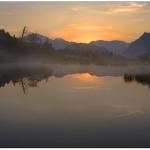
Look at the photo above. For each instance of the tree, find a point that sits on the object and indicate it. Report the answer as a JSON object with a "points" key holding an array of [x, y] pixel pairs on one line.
{"points": [[24, 31]]}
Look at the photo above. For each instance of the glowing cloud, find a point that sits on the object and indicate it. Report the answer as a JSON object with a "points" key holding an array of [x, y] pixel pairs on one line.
{"points": [[131, 7]]}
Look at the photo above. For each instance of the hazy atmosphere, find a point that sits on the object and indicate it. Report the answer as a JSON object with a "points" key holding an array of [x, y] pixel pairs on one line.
{"points": [[74, 74]]}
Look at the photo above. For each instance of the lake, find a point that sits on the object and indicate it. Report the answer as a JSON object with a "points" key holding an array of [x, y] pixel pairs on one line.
{"points": [[74, 106]]}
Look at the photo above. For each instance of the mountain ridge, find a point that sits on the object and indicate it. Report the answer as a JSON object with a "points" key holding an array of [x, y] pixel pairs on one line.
{"points": [[115, 46], [140, 47]]}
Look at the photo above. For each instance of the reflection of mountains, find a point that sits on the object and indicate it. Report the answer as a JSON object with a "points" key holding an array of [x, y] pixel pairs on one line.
{"points": [[30, 75], [143, 79]]}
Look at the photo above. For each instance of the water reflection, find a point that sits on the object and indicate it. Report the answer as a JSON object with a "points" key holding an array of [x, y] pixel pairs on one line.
{"points": [[78, 106], [143, 79], [24, 77], [84, 76], [28, 76]]}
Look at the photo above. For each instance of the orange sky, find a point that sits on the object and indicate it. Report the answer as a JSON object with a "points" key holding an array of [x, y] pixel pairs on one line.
{"points": [[78, 21]]}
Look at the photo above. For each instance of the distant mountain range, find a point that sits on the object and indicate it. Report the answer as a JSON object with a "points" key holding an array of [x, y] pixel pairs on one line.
{"points": [[60, 44], [137, 48], [117, 47], [85, 47], [87, 50], [57, 43], [36, 38]]}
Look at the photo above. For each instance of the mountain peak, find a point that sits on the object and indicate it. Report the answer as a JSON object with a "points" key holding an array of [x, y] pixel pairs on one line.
{"points": [[140, 47], [145, 35], [59, 39]]}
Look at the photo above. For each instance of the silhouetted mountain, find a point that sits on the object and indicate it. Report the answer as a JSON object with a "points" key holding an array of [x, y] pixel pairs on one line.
{"points": [[87, 53], [117, 47], [59, 43], [37, 47], [36, 38], [140, 47], [84, 48]]}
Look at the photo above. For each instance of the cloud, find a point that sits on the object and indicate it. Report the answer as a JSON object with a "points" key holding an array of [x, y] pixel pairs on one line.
{"points": [[114, 7], [130, 7], [92, 27], [88, 27]]}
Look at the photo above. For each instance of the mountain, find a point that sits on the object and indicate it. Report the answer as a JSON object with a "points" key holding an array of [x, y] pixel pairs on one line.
{"points": [[36, 38], [86, 51], [117, 47], [82, 47], [140, 47], [57, 43]]}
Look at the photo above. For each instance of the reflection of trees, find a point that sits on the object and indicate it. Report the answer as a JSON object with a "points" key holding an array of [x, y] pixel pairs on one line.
{"points": [[30, 76], [23, 85], [26, 83], [128, 78], [143, 79], [25, 78]]}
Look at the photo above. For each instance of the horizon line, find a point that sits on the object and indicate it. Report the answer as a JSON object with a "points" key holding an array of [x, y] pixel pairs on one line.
{"points": [[54, 38]]}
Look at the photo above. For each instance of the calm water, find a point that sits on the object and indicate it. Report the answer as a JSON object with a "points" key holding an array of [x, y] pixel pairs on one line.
{"points": [[74, 106]]}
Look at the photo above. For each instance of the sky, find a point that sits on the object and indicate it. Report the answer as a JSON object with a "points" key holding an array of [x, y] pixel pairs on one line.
{"points": [[78, 21]]}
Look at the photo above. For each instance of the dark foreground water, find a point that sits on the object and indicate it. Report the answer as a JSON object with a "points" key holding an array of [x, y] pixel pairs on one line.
{"points": [[74, 106]]}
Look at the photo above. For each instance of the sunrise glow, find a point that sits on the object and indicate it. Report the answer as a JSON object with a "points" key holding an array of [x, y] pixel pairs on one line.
{"points": [[78, 21]]}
